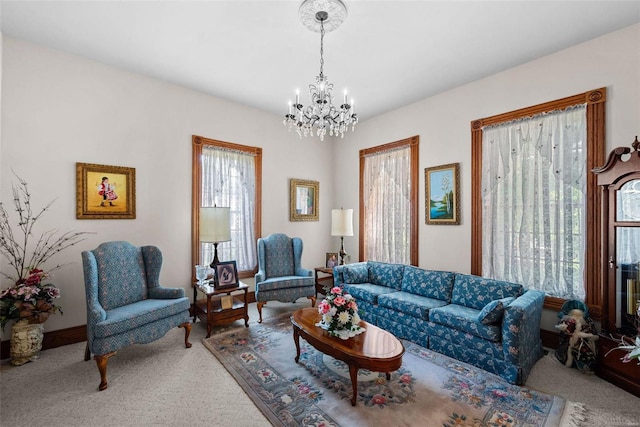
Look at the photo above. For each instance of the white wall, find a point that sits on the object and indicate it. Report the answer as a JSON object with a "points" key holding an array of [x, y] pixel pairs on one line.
{"points": [[443, 124], [59, 109]]}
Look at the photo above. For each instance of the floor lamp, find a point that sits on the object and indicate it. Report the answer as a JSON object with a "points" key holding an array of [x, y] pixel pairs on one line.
{"points": [[215, 227], [342, 225]]}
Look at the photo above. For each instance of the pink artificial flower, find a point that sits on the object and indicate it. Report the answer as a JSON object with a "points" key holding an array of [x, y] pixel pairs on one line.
{"points": [[352, 305], [53, 292], [323, 307], [339, 301], [337, 290]]}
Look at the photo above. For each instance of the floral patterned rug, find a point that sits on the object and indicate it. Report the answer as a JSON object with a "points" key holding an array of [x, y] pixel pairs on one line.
{"points": [[430, 389]]}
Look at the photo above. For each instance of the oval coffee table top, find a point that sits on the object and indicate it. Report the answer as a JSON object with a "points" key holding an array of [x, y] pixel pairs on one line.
{"points": [[374, 343]]}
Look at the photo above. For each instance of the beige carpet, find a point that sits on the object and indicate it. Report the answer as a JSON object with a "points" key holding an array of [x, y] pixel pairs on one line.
{"points": [[165, 384]]}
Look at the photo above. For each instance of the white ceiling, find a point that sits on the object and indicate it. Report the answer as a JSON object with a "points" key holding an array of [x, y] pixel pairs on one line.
{"points": [[387, 53]]}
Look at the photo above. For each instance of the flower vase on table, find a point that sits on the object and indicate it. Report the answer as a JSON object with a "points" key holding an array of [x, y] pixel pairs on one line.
{"points": [[340, 314]]}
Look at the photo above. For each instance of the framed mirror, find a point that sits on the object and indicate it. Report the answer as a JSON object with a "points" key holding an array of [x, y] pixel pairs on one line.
{"points": [[304, 200]]}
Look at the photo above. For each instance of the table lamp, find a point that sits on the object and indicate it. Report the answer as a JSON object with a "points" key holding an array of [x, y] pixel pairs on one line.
{"points": [[215, 227], [342, 225]]}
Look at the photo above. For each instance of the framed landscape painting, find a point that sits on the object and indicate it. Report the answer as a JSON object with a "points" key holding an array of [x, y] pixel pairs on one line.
{"points": [[442, 199], [105, 192]]}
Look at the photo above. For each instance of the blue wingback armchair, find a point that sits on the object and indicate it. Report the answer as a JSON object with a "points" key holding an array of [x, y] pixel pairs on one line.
{"points": [[125, 302], [280, 276]]}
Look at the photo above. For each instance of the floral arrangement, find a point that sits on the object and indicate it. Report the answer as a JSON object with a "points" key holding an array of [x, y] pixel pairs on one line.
{"points": [[28, 297], [339, 314], [631, 346]]}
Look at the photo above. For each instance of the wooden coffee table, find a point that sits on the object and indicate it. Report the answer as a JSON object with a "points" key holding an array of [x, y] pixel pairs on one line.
{"points": [[375, 349]]}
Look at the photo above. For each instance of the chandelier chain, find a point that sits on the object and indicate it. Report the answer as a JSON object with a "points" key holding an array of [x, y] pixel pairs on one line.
{"points": [[321, 47]]}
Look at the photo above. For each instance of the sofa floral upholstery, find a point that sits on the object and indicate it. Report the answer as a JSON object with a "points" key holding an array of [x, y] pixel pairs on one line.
{"points": [[280, 276], [125, 303], [491, 324]]}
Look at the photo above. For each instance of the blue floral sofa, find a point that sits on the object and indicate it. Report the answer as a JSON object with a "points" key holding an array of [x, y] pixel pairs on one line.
{"points": [[491, 324]]}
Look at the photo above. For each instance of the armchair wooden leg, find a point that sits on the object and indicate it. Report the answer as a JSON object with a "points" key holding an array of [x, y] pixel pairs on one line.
{"points": [[101, 361], [87, 352], [260, 304], [187, 331], [313, 301]]}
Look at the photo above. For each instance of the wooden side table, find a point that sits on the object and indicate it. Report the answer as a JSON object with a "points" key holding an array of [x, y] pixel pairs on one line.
{"points": [[323, 280], [211, 309]]}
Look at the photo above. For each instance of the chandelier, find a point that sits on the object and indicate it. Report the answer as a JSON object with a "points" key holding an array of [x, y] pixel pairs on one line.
{"points": [[321, 114]]}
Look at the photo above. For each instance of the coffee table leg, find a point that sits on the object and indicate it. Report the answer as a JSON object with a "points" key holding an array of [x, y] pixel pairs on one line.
{"points": [[296, 340], [388, 375], [353, 372]]}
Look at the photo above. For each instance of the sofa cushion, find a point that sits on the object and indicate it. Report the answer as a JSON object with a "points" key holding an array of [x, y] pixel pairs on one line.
{"points": [[384, 274], [356, 273], [465, 319], [285, 282], [493, 311], [476, 292], [405, 302], [367, 291], [428, 283], [131, 316]]}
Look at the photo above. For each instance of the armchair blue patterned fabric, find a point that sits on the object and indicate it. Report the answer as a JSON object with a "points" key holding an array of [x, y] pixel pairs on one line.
{"points": [[280, 276], [125, 302]]}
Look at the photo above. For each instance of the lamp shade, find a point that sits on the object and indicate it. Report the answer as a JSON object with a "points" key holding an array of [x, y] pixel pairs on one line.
{"points": [[342, 222], [215, 224]]}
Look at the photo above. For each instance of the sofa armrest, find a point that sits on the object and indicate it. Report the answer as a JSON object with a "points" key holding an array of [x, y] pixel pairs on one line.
{"points": [[521, 327], [338, 278], [160, 292]]}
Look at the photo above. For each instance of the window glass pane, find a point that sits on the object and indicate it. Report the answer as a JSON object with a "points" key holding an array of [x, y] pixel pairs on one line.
{"points": [[387, 206], [229, 180], [628, 201], [534, 202]]}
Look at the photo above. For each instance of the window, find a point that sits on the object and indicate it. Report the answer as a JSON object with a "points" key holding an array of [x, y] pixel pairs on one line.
{"points": [[229, 175], [534, 198], [389, 202]]}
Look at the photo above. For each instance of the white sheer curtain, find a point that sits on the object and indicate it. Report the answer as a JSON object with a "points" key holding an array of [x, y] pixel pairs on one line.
{"points": [[534, 200], [228, 180], [387, 206]]}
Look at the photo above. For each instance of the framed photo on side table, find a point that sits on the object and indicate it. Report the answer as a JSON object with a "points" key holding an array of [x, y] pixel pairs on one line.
{"points": [[442, 198], [331, 260], [226, 274]]}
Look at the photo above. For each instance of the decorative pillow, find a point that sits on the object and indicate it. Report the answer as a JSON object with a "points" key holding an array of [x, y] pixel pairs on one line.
{"points": [[493, 311], [356, 274]]}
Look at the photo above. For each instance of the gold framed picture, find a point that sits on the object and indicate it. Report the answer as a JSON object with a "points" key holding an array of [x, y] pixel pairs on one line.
{"points": [[442, 199], [304, 200], [105, 192]]}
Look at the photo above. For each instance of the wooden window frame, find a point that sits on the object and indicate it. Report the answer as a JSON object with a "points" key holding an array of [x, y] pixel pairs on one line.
{"points": [[197, 143], [414, 144], [595, 100]]}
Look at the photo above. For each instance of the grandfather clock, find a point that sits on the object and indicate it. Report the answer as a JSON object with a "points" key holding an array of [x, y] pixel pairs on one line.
{"points": [[619, 180]]}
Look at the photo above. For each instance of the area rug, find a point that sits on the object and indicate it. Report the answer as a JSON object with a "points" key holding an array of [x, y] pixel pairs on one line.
{"points": [[430, 389]]}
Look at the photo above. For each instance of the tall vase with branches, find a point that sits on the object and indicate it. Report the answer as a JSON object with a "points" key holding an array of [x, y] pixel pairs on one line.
{"points": [[29, 296]]}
